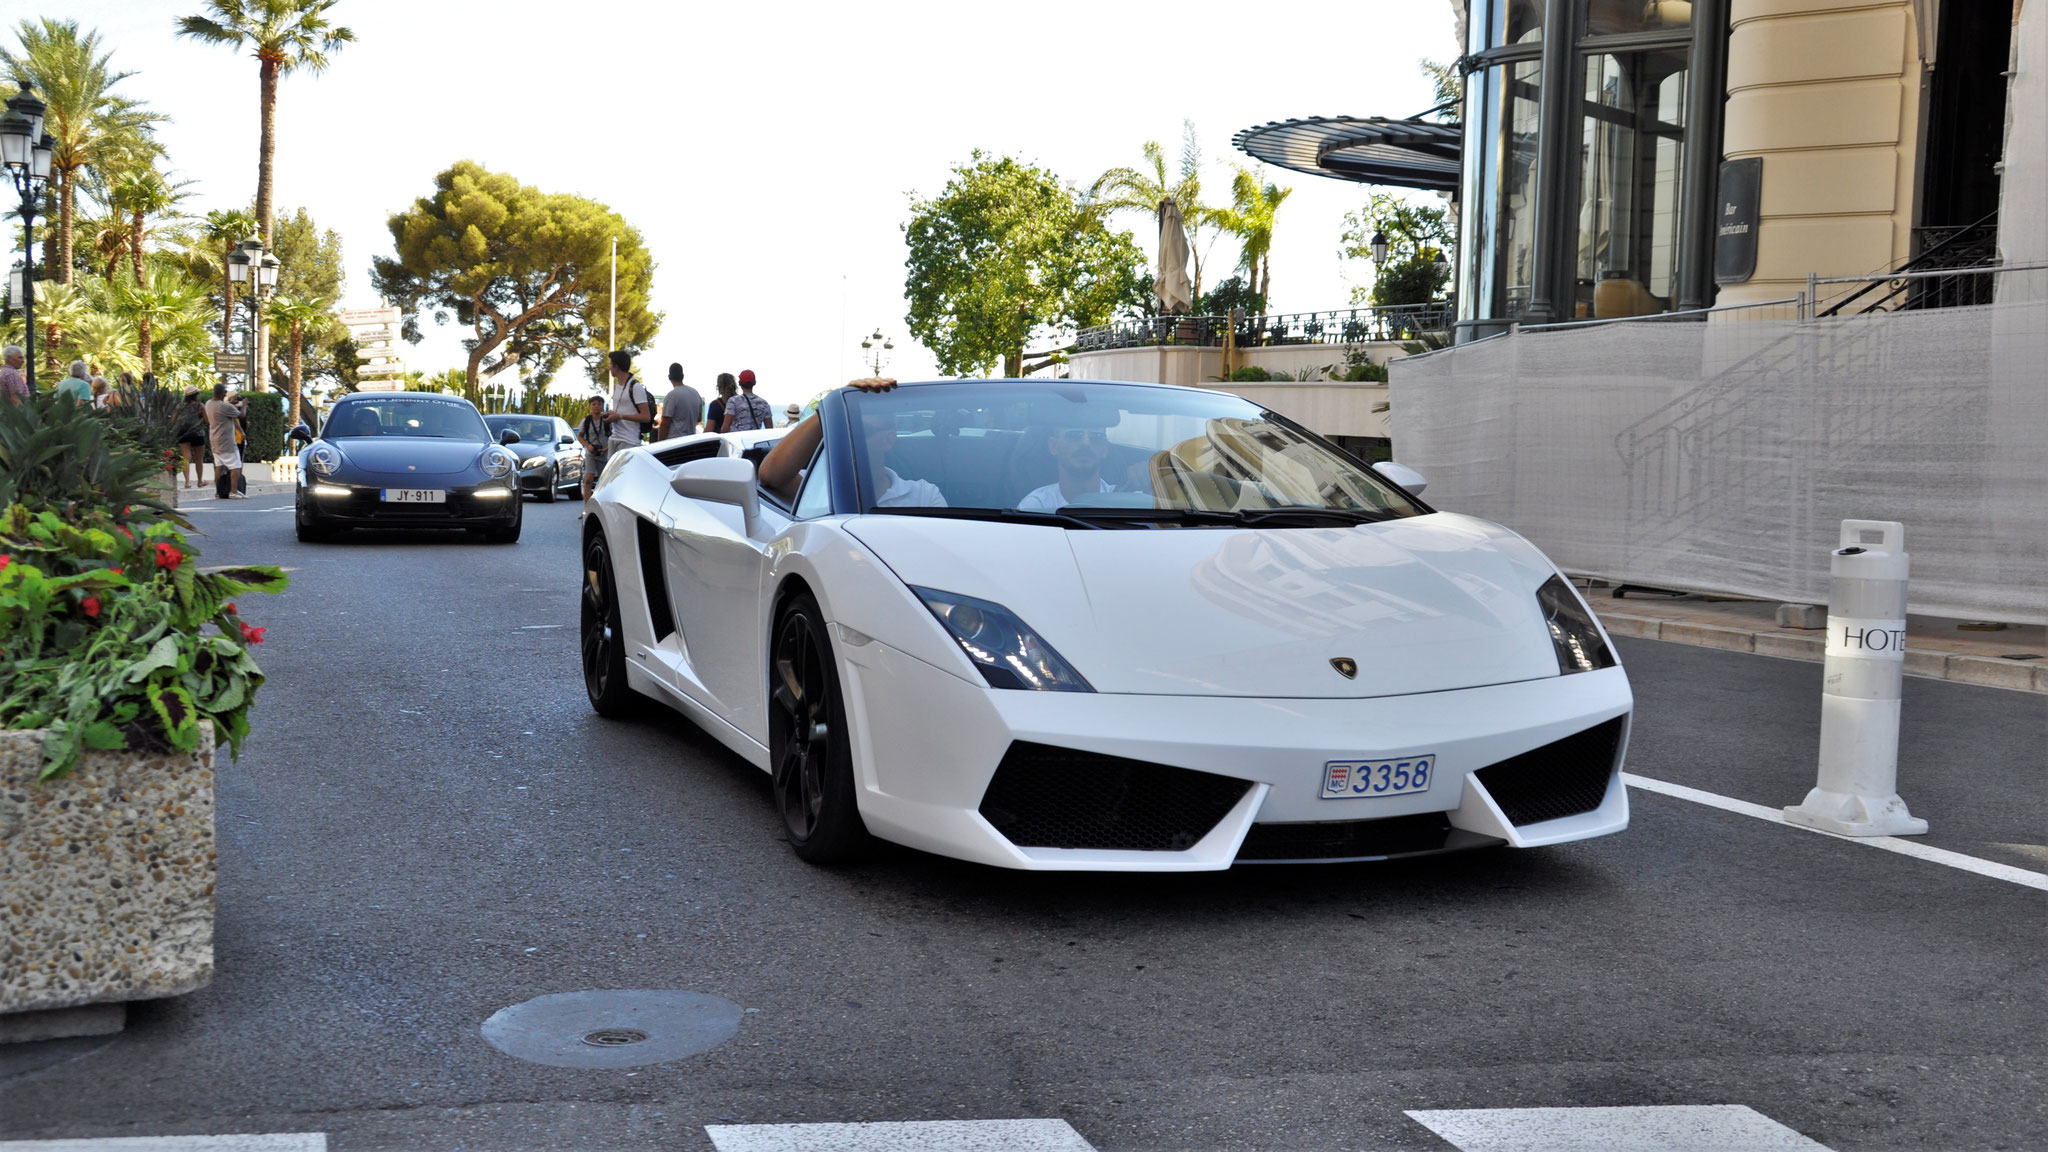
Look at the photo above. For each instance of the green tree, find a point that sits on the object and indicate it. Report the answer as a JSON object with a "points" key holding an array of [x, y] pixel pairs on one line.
{"points": [[164, 298], [1003, 250], [284, 36], [294, 317], [1416, 234], [1250, 218], [310, 268], [223, 230], [140, 194], [528, 271], [1143, 189], [1448, 86], [86, 121]]}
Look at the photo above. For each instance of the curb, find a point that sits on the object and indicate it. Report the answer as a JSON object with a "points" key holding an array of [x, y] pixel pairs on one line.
{"points": [[1984, 671], [191, 496]]}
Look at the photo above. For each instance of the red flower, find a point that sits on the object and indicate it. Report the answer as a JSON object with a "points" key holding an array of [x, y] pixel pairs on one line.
{"points": [[168, 557], [91, 604], [231, 609], [5, 560], [117, 572], [251, 635]]}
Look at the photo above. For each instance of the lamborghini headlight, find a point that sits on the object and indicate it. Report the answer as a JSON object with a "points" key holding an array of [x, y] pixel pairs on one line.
{"points": [[1573, 633], [1006, 652], [326, 460], [497, 463]]}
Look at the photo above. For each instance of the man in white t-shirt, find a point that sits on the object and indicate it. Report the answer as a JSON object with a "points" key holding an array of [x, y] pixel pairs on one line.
{"points": [[1080, 452], [632, 408]]}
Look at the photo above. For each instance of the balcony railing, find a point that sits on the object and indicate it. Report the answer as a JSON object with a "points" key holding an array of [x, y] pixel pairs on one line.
{"points": [[1346, 326]]}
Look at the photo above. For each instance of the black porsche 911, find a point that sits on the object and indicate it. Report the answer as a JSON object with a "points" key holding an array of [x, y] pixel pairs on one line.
{"points": [[407, 460]]}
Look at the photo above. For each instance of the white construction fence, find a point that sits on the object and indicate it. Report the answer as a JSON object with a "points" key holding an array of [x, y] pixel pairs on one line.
{"points": [[1720, 454]]}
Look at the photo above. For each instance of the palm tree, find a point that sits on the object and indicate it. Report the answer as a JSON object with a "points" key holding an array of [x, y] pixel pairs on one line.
{"points": [[1143, 189], [87, 123], [1250, 218], [140, 194], [165, 298], [104, 341], [58, 305], [294, 317], [284, 36]]}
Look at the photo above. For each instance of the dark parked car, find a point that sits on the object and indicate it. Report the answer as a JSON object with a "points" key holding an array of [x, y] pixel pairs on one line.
{"points": [[408, 460], [550, 459]]}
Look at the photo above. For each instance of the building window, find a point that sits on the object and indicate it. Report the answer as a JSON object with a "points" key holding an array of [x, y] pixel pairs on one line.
{"points": [[1631, 161], [1504, 226]]}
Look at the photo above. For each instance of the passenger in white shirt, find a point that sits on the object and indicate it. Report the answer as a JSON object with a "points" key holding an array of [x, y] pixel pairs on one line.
{"points": [[1080, 452], [782, 472]]}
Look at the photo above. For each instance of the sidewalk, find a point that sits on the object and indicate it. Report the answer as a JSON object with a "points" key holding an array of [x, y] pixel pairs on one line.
{"points": [[1936, 648], [258, 477]]}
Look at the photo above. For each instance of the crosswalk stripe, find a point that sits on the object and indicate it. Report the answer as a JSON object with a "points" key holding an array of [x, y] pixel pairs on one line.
{"points": [[269, 1142], [1665, 1128], [915, 1136], [1902, 846]]}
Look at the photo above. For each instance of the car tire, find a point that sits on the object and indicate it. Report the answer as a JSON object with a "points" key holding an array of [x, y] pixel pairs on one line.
{"points": [[808, 751], [508, 534], [311, 533], [548, 494], [604, 639]]}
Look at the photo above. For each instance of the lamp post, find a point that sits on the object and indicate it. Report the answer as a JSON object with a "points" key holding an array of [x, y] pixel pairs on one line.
{"points": [[25, 151], [1379, 247], [253, 266], [876, 351]]}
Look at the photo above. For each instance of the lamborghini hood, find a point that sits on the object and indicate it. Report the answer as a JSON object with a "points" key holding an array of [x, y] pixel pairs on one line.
{"points": [[1422, 604]]}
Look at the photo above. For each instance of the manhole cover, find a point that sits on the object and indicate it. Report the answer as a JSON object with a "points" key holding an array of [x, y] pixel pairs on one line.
{"points": [[613, 1037], [612, 1029]]}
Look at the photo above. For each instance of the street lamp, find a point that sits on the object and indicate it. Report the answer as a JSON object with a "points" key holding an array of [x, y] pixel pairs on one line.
{"points": [[25, 151], [877, 349], [1379, 247], [252, 266]]}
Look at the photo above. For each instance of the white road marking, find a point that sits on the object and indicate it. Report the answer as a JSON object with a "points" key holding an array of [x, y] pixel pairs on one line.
{"points": [[919, 1136], [1670, 1128], [274, 1142], [1902, 846], [539, 627]]}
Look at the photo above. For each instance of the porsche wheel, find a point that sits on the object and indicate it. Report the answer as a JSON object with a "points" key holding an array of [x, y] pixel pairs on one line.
{"points": [[807, 740], [509, 534], [310, 533], [604, 642]]}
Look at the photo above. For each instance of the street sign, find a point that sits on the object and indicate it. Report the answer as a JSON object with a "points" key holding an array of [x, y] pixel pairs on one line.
{"points": [[361, 316], [369, 370], [381, 386], [238, 362], [375, 335]]}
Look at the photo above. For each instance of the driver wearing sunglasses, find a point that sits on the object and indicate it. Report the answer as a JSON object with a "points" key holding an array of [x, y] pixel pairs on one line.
{"points": [[1080, 453]]}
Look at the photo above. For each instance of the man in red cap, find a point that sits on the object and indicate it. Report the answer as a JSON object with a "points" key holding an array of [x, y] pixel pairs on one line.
{"points": [[747, 411]]}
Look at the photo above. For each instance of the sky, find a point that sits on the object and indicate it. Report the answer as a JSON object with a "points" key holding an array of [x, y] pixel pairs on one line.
{"points": [[768, 152]]}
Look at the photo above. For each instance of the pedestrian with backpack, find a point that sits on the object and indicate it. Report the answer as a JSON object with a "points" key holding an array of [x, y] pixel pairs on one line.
{"points": [[632, 408], [746, 411]]}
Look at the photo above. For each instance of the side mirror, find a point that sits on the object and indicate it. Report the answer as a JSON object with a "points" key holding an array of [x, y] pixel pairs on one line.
{"points": [[508, 436], [300, 432], [720, 480], [568, 440], [1403, 476]]}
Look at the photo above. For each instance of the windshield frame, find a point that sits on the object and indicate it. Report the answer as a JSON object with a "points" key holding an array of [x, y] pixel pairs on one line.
{"points": [[343, 408], [850, 467]]}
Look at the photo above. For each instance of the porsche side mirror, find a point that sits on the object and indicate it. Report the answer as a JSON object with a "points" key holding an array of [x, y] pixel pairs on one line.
{"points": [[720, 480], [508, 436], [300, 432], [1404, 476]]}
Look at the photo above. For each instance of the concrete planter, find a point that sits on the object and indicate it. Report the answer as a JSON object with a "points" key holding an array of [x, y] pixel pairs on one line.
{"points": [[106, 885]]}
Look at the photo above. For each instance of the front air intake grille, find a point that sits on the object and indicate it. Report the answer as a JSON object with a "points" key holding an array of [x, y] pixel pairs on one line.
{"points": [[1047, 797], [1562, 778], [1347, 839]]}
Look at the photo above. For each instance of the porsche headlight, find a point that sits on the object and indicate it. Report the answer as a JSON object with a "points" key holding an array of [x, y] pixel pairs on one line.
{"points": [[326, 460], [497, 463], [1577, 639], [1007, 653]]}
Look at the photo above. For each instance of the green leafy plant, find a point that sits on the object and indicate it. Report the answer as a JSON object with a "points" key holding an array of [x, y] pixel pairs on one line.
{"points": [[112, 638], [72, 460], [264, 426]]}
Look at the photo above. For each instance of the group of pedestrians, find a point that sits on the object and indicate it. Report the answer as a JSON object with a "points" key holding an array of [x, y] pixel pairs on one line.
{"points": [[630, 414], [216, 425]]}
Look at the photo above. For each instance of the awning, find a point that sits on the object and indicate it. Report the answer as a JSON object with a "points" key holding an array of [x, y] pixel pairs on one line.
{"points": [[1407, 153]]}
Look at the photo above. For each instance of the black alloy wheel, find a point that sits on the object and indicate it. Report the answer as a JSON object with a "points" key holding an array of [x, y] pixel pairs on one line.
{"points": [[310, 533], [807, 741], [604, 641]]}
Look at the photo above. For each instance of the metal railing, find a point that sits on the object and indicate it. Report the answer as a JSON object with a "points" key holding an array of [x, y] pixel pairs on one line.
{"points": [[1897, 291], [1344, 326]]}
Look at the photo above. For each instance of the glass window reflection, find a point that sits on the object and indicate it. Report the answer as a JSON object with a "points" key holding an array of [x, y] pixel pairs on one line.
{"points": [[1633, 117]]}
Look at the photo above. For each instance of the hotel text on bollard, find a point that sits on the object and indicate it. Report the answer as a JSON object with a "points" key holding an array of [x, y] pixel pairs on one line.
{"points": [[1857, 794]]}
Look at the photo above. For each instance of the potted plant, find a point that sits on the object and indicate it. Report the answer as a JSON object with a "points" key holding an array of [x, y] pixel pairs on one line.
{"points": [[121, 663]]}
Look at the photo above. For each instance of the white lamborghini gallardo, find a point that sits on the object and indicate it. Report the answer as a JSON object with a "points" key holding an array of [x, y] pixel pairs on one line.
{"points": [[1073, 625]]}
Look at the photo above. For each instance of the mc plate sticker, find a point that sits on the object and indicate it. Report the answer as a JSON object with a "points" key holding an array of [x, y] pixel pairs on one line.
{"points": [[1349, 779]]}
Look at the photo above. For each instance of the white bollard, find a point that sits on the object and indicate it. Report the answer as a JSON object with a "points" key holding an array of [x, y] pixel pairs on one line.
{"points": [[1857, 794]]}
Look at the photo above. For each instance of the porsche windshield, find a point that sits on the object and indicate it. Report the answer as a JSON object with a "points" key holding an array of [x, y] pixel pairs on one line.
{"points": [[1093, 454], [449, 419]]}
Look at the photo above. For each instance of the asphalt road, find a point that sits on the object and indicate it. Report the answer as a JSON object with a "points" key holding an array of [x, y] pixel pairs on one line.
{"points": [[428, 825]]}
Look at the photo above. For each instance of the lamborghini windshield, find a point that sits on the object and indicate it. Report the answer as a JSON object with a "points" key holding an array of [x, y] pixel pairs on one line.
{"points": [[1094, 454]]}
